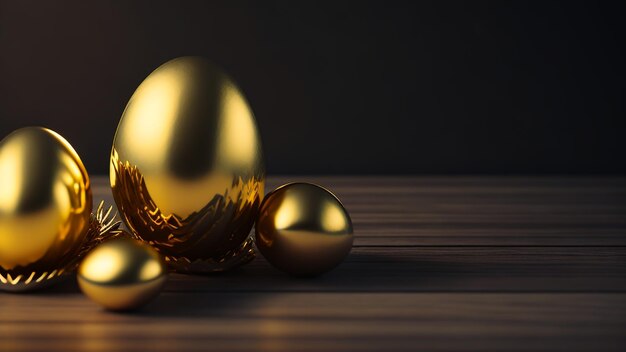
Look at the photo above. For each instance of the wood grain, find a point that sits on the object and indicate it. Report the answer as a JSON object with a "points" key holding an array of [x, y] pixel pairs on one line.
{"points": [[486, 211], [439, 263], [320, 321]]}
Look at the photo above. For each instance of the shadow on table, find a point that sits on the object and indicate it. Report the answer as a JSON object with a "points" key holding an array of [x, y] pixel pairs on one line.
{"points": [[216, 295], [360, 272], [389, 272]]}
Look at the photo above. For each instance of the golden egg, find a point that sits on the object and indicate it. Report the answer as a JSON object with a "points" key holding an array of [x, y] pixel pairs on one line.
{"points": [[122, 274], [303, 229], [45, 207], [187, 168]]}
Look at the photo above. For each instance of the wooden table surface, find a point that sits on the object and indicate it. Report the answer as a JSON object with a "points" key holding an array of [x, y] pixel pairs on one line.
{"points": [[439, 263]]}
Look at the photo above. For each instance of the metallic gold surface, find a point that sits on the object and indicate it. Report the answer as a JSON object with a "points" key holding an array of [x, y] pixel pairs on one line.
{"points": [[303, 229], [45, 207], [102, 226], [122, 274], [187, 168]]}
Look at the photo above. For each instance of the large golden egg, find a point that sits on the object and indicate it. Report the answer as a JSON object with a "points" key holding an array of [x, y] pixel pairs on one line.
{"points": [[45, 207], [122, 274], [187, 168], [303, 229]]}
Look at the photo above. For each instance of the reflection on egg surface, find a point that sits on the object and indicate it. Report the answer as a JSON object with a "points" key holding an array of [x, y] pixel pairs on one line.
{"points": [[122, 274], [45, 207], [187, 168]]}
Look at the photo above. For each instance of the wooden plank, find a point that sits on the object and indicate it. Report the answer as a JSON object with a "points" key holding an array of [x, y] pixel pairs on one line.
{"points": [[319, 321], [518, 211], [439, 269], [430, 269]]}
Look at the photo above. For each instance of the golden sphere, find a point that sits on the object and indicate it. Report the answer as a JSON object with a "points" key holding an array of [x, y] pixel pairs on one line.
{"points": [[45, 206], [187, 168], [122, 274], [303, 229]]}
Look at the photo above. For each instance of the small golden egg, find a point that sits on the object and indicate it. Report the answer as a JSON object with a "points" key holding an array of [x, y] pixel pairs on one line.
{"points": [[45, 207], [187, 170], [122, 274], [303, 229]]}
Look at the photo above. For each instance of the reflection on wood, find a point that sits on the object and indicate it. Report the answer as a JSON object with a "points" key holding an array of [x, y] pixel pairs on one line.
{"points": [[439, 263]]}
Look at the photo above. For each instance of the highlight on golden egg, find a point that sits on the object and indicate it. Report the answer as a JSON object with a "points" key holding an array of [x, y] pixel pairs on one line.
{"points": [[122, 274], [303, 229], [45, 207], [187, 169]]}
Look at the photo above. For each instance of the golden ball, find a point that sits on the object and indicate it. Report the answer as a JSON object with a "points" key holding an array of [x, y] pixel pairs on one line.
{"points": [[303, 229], [45, 207], [187, 169], [122, 274]]}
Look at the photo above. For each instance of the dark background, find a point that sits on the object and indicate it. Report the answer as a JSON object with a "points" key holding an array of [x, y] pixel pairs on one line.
{"points": [[342, 86]]}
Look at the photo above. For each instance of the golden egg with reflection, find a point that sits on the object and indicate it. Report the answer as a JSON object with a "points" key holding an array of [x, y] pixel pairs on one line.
{"points": [[122, 274], [45, 207], [303, 229], [187, 168]]}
